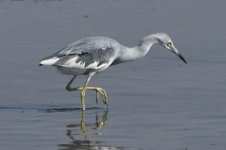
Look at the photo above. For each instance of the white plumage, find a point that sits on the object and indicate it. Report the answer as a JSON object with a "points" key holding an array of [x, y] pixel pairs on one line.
{"points": [[94, 54]]}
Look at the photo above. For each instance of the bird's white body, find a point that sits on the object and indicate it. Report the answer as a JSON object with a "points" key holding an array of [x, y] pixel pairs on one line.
{"points": [[69, 61], [94, 54]]}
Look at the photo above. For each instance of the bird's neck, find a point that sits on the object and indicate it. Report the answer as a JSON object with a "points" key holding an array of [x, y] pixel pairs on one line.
{"points": [[140, 50]]}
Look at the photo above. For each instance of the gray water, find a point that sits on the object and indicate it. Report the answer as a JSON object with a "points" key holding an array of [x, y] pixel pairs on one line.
{"points": [[155, 103]]}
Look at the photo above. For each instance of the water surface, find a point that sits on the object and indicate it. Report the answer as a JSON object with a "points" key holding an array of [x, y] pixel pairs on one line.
{"points": [[156, 103]]}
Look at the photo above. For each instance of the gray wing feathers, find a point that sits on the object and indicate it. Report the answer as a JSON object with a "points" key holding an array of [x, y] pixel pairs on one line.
{"points": [[98, 55], [87, 44], [90, 50]]}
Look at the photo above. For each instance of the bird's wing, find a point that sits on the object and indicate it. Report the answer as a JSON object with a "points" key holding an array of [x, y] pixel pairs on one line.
{"points": [[87, 45], [89, 51]]}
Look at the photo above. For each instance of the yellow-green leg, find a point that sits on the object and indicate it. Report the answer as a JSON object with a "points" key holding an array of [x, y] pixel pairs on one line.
{"points": [[98, 90], [83, 92], [83, 124]]}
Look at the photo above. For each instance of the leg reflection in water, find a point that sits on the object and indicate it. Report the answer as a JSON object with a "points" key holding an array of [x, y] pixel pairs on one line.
{"points": [[93, 127], [90, 125]]}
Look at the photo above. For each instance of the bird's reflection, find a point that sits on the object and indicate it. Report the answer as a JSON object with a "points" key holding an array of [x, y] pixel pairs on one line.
{"points": [[80, 132], [89, 128]]}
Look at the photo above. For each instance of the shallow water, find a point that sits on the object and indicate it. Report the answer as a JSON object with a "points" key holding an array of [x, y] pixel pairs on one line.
{"points": [[156, 103]]}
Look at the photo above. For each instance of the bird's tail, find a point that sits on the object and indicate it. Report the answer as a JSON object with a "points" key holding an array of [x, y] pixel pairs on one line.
{"points": [[49, 61]]}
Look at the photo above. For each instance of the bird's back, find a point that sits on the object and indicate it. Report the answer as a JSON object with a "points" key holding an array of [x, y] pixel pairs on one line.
{"points": [[92, 53], [89, 44]]}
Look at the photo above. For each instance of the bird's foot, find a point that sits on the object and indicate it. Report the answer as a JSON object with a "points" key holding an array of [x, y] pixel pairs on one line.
{"points": [[99, 92], [103, 93]]}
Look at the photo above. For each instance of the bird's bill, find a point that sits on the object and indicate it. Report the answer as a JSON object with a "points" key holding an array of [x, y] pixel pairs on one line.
{"points": [[175, 51], [181, 57]]}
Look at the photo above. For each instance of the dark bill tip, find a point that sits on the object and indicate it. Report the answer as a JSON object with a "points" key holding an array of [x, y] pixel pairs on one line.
{"points": [[40, 64], [182, 58]]}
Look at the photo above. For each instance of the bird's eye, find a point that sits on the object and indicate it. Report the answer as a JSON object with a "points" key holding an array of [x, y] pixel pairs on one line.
{"points": [[169, 44]]}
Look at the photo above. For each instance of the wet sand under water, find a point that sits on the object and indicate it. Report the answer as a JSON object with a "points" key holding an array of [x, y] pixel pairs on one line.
{"points": [[156, 103]]}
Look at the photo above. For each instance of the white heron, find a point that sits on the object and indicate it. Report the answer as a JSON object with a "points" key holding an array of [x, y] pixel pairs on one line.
{"points": [[93, 55]]}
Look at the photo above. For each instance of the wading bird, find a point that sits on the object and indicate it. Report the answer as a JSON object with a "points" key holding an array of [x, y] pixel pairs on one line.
{"points": [[93, 55]]}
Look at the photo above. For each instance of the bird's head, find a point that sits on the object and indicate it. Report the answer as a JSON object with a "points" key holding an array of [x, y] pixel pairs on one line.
{"points": [[165, 41]]}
